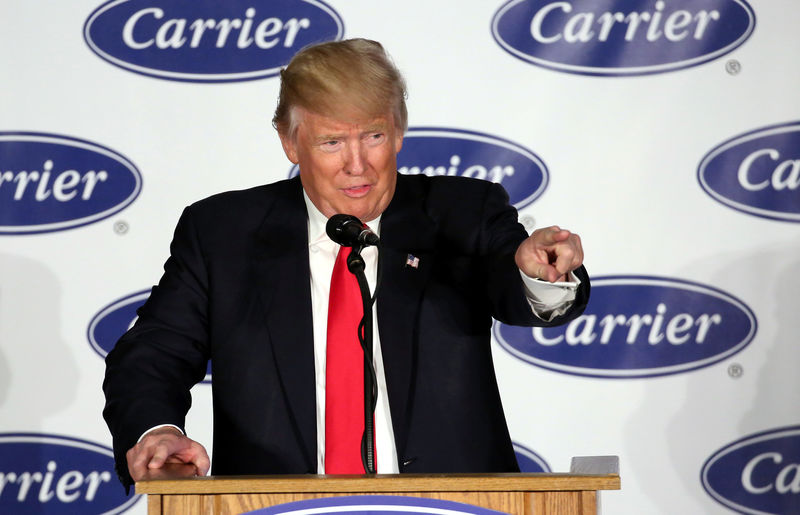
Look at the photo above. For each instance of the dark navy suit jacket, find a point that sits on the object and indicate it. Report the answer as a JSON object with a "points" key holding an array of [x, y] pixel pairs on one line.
{"points": [[236, 291]]}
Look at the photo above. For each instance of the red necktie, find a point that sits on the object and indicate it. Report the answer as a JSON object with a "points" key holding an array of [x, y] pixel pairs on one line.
{"points": [[344, 373]]}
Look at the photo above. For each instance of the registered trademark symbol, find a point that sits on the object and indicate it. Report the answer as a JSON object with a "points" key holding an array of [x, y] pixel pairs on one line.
{"points": [[121, 227], [528, 222], [733, 66], [735, 370]]}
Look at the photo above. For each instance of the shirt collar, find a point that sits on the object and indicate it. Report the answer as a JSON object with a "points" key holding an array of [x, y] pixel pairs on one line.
{"points": [[317, 222]]}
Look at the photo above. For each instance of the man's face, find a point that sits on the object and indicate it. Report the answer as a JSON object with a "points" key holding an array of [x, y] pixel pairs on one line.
{"points": [[346, 167]]}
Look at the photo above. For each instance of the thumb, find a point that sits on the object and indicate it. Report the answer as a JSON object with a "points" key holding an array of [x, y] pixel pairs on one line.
{"points": [[200, 459], [546, 272]]}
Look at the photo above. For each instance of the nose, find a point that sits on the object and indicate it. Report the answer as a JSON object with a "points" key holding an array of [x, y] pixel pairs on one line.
{"points": [[355, 158]]}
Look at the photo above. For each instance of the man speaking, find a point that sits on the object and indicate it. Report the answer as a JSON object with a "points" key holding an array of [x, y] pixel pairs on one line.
{"points": [[255, 284]]}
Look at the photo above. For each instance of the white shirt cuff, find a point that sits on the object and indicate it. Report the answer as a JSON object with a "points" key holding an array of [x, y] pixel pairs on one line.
{"points": [[549, 300]]}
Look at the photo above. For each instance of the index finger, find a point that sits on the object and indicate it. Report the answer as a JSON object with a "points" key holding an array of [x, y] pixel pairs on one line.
{"points": [[162, 452], [138, 458]]}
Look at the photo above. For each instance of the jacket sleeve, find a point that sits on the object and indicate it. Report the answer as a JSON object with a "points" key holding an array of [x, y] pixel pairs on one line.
{"points": [[152, 367]]}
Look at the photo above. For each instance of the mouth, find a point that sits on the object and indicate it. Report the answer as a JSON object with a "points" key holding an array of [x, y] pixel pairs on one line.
{"points": [[357, 191]]}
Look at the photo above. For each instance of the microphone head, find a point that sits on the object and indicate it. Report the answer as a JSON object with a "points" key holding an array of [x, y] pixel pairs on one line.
{"points": [[344, 229]]}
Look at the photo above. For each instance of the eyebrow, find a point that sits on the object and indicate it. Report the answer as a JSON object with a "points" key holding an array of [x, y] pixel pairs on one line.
{"points": [[327, 137], [376, 127]]}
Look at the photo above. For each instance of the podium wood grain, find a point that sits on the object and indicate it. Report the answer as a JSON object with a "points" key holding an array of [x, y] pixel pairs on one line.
{"points": [[524, 494]]}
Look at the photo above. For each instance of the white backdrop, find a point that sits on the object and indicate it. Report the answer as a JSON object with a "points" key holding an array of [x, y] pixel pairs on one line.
{"points": [[622, 154]]}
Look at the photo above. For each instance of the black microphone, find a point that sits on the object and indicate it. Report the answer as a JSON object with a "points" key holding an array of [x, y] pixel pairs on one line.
{"points": [[349, 231]]}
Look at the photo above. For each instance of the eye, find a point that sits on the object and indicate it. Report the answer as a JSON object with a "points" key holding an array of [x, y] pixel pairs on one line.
{"points": [[330, 145], [376, 138]]}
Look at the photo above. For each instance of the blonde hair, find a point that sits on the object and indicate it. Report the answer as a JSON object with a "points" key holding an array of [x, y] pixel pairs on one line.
{"points": [[348, 80]]}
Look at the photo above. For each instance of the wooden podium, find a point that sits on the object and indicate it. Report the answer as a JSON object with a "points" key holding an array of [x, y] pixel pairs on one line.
{"points": [[518, 494]]}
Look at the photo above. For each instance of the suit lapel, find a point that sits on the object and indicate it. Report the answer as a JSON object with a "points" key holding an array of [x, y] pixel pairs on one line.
{"points": [[405, 229], [282, 270]]}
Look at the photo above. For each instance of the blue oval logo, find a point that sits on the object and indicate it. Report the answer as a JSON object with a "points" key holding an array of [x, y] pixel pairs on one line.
{"points": [[621, 38], [757, 173], [529, 461], [50, 182], [111, 322], [638, 326], [235, 40], [43, 473], [373, 504], [436, 151], [757, 474]]}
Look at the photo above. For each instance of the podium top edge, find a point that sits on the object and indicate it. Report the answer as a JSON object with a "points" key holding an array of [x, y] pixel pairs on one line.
{"points": [[381, 483]]}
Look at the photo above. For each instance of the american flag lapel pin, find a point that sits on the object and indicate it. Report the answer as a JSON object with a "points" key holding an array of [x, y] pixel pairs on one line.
{"points": [[412, 261]]}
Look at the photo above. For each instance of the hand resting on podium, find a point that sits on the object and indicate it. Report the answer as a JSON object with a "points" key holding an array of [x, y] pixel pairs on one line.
{"points": [[165, 445]]}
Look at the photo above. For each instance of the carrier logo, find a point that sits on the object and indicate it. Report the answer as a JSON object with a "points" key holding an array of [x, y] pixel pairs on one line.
{"points": [[107, 326], [433, 151], [373, 504], [610, 37], [529, 461], [757, 173], [51, 183], [41, 473], [638, 326], [757, 474], [234, 40]]}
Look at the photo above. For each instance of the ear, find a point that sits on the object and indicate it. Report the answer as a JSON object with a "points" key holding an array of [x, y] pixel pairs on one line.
{"points": [[289, 147], [398, 142]]}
